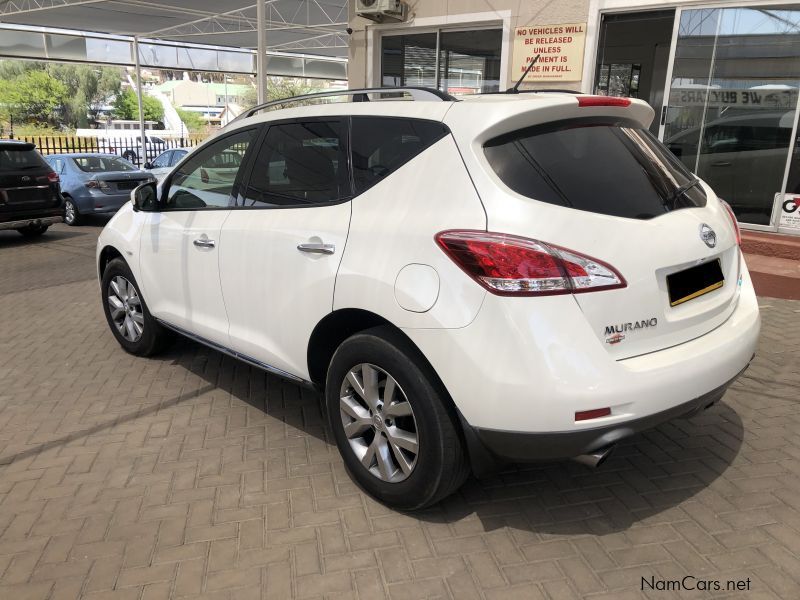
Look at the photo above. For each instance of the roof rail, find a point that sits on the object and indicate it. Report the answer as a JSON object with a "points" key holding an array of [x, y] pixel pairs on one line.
{"points": [[359, 95]]}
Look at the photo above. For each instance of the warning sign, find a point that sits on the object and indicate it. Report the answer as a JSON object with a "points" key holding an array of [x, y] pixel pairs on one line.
{"points": [[560, 50]]}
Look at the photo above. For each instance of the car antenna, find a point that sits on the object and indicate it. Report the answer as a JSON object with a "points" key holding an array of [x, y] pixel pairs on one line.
{"points": [[515, 89]]}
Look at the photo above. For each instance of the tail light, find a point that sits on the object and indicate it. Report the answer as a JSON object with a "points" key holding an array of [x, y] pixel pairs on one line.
{"points": [[510, 265], [585, 101], [52, 177], [735, 223], [98, 185]]}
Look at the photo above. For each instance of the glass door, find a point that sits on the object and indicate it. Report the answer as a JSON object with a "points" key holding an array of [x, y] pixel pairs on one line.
{"points": [[732, 102]]}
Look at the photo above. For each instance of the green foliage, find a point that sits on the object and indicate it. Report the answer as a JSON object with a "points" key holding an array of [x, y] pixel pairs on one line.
{"points": [[87, 87], [193, 121], [126, 106], [279, 88], [32, 95], [51, 94]]}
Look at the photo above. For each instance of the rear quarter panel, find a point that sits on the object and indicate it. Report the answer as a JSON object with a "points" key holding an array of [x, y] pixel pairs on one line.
{"points": [[393, 225]]}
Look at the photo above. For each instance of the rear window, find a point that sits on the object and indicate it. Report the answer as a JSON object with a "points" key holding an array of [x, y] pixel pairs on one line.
{"points": [[14, 159], [612, 168], [101, 164]]}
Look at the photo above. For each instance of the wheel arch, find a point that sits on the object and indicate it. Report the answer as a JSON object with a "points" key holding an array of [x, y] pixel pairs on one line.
{"points": [[107, 254], [339, 325]]}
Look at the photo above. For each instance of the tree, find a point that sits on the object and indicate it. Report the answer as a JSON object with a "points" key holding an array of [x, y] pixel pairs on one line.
{"points": [[279, 88], [126, 107], [193, 121], [32, 95], [87, 86]]}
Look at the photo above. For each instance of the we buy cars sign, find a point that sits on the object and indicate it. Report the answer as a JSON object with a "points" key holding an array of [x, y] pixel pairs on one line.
{"points": [[560, 51]]}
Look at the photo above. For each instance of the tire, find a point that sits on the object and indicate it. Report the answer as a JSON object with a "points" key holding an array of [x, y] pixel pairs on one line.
{"points": [[71, 215], [33, 231], [420, 410], [136, 318]]}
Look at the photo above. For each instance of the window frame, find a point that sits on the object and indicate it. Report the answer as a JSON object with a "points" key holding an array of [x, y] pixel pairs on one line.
{"points": [[237, 183], [344, 140]]}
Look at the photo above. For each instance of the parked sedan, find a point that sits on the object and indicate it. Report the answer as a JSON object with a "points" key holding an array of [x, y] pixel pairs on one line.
{"points": [[164, 162], [95, 183], [29, 197]]}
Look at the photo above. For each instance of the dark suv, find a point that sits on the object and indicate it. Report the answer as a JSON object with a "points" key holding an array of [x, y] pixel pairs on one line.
{"points": [[30, 198]]}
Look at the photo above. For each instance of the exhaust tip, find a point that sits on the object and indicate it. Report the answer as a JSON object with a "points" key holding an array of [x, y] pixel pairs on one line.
{"points": [[596, 458]]}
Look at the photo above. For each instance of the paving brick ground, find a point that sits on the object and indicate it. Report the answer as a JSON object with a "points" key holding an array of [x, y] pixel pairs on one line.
{"points": [[193, 476]]}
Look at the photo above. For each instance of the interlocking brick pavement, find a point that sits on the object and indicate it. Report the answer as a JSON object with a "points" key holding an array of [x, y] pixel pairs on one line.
{"points": [[194, 476]]}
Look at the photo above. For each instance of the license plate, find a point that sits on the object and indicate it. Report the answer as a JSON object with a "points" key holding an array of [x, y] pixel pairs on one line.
{"points": [[694, 282], [127, 185]]}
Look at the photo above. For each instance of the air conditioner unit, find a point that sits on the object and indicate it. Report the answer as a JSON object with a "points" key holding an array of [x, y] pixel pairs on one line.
{"points": [[381, 11]]}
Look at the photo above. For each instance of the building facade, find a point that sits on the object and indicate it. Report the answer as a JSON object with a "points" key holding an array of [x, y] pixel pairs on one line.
{"points": [[722, 77]]}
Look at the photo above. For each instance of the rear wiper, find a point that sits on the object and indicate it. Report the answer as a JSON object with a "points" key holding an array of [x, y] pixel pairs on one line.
{"points": [[680, 191]]}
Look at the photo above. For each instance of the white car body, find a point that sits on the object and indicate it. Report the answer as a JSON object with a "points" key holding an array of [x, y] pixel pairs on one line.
{"points": [[518, 369]]}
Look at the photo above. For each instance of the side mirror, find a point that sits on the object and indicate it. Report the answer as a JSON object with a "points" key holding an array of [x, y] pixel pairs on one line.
{"points": [[147, 165], [145, 197]]}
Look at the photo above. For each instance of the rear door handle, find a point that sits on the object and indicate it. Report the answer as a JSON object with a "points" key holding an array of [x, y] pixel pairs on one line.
{"points": [[204, 243], [317, 248], [722, 163]]}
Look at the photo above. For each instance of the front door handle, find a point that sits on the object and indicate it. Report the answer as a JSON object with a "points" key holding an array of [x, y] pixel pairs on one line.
{"points": [[204, 243], [317, 248]]}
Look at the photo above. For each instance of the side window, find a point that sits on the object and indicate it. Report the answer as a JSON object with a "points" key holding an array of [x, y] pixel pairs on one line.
{"points": [[162, 161], [177, 156], [381, 145], [298, 164], [208, 179]]}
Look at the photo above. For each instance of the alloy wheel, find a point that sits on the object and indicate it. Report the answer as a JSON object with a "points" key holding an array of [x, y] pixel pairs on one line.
{"points": [[69, 212], [379, 423], [125, 307]]}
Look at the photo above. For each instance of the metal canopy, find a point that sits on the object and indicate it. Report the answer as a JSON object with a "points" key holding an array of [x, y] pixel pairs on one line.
{"points": [[299, 26]]}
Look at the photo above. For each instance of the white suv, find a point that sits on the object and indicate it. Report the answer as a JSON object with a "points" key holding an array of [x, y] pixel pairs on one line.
{"points": [[509, 277]]}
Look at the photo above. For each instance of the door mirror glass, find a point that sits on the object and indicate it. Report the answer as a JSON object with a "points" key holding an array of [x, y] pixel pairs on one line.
{"points": [[145, 197]]}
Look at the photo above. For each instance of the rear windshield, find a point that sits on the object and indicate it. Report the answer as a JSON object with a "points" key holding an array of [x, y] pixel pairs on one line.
{"points": [[101, 164], [612, 168], [13, 159]]}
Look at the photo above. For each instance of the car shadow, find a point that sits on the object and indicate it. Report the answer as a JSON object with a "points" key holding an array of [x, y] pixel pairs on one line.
{"points": [[644, 479]]}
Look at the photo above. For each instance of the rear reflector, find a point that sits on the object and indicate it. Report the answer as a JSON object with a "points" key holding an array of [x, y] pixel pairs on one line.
{"points": [[603, 101], [510, 265], [596, 413]]}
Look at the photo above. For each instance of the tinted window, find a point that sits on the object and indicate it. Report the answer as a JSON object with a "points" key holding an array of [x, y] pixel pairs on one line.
{"points": [[609, 168], [13, 159], [99, 164], [208, 179], [299, 164], [382, 145]]}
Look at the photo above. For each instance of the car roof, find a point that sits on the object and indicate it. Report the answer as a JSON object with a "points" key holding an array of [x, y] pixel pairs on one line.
{"points": [[83, 155]]}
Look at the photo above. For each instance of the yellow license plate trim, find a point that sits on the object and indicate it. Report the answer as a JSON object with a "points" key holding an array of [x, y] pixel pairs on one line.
{"points": [[692, 296]]}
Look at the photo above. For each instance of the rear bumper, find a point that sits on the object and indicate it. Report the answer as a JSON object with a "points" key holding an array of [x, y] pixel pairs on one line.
{"points": [[20, 223], [518, 374], [509, 446]]}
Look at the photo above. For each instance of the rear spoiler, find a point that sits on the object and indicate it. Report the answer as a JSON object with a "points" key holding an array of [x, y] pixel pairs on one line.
{"points": [[472, 124], [15, 145]]}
